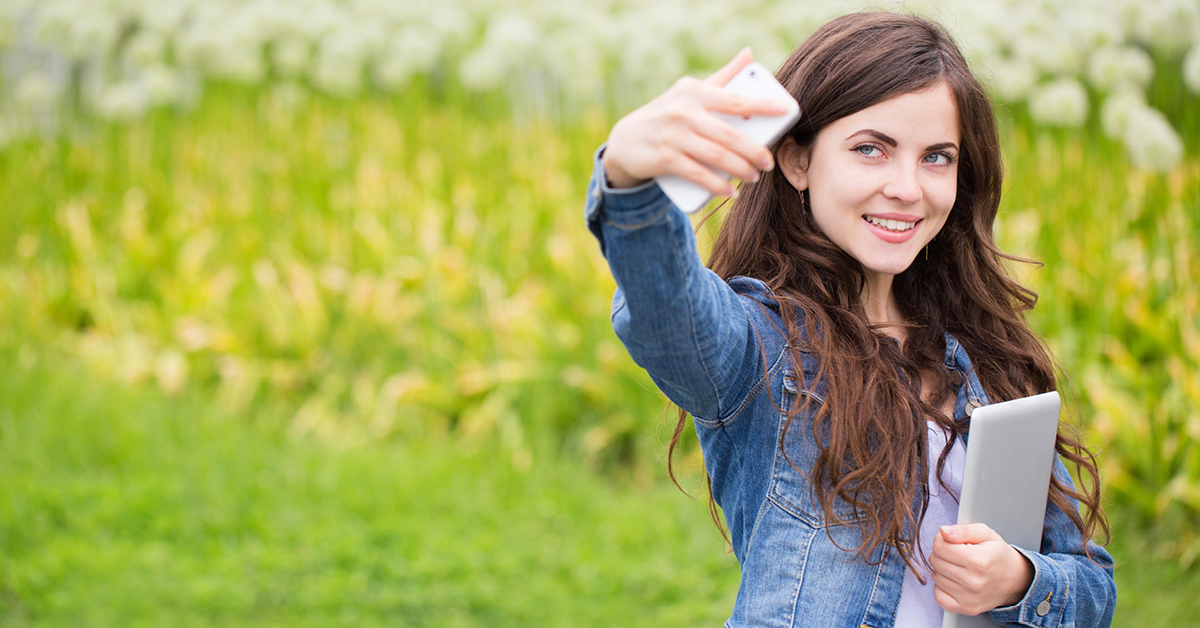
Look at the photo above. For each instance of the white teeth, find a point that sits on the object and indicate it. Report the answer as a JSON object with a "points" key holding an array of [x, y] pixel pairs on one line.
{"points": [[891, 225]]}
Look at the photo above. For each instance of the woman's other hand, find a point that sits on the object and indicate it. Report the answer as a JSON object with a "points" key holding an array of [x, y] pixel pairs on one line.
{"points": [[974, 570], [676, 134]]}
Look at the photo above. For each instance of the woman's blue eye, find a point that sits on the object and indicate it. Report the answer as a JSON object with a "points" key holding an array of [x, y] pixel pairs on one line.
{"points": [[939, 159], [867, 150]]}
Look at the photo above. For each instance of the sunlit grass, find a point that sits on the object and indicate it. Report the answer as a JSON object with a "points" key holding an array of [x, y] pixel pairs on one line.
{"points": [[128, 508]]}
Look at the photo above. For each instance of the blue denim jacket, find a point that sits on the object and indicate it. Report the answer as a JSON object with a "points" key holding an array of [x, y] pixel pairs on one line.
{"points": [[716, 350]]}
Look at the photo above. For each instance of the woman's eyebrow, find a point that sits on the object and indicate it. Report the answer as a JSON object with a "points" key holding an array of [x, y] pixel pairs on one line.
{"points": [[875, 134], [942, 146]]}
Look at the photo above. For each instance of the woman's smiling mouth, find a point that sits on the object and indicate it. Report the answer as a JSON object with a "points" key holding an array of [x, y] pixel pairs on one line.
{"points": [[895, 226], [891, 229]]}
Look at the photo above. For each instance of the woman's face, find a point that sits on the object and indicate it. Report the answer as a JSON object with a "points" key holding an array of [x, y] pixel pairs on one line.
{"points": [[881, 181]]}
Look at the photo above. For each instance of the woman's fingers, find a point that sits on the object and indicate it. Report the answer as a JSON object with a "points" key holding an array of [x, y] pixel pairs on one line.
{"points": [[646, 146], [755, 157], [948, 601], [676, 133], [735, 65], [717, 99], [968, 533], [727, 148], [957, 597], [976, 568], [703, 176]]}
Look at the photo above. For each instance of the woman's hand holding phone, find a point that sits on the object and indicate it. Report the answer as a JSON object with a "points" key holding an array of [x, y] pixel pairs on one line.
{"points": [[677, 134]]}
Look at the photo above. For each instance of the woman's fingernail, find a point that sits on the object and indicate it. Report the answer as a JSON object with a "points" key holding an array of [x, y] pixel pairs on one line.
{"points": [[950, 531], [766, 164], [733, 192]]}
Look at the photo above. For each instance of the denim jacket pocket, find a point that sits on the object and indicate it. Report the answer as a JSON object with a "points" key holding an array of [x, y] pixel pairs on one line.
{"points": [[791, 487]]}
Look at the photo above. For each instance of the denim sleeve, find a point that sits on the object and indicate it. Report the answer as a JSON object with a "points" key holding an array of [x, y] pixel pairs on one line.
{"points": [[678, 320], [1070, 588]]}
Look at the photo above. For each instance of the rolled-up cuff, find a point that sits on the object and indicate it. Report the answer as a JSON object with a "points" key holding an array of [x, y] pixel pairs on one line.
{"points": [[1045, 603], [624, 208]]}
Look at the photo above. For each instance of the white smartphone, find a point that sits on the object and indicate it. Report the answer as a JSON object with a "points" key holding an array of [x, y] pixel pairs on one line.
{"points": [[756, 81]]}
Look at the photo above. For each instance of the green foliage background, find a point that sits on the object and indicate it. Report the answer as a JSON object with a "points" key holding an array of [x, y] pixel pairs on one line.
{"points": [[278, 361]]}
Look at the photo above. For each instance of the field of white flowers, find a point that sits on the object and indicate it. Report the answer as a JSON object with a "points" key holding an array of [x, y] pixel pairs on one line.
{"points": [[1066, 59]]}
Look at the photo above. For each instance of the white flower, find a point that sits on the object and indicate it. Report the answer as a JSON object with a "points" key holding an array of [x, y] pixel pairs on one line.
{"points": [[650, 62], [339, 66], [241, 62], [162, 17], [224, 46], [1063, 102], [291, 54], [52, 24], [121, 102], [36, 91], [1093, 28], [1168, 25], [574, 61], [512, 35], [1151, 141], [1012, 79], [162, 85], [1191, 69], [93, 34], [1117, 110], [257, 21], [419, 47], [482, 70], [452, 24], [391, 72], [1110, 67], [196, 45], [410, 51], [146, 48], [1051, 54]]}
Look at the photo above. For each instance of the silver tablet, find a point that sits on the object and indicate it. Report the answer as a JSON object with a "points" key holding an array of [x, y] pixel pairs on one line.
{"points": [[1006, 476]]}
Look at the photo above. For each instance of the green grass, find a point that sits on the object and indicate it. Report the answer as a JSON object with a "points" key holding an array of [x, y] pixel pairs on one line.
{"points": [[123, 507], [126, 508]]}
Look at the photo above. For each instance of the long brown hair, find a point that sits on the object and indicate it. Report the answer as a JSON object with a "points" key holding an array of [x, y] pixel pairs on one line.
{"points": [[871, 425]]}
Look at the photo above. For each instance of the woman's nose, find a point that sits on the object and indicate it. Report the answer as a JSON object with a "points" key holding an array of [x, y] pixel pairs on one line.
{"points": [[903, 185]]}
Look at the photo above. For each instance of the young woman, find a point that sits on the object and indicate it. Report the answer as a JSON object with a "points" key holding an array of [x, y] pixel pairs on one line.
{"points": [[854, 313]]}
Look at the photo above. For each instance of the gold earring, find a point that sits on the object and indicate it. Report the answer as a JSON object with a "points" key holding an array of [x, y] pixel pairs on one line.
{"points": [[927, 252]]}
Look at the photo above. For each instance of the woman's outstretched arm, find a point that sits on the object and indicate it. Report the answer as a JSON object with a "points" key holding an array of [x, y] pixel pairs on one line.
{"points": [[678, 320]]}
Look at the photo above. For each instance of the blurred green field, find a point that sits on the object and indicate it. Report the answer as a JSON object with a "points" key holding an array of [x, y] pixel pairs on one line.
{"points": [[289, 360], [126, 507]]}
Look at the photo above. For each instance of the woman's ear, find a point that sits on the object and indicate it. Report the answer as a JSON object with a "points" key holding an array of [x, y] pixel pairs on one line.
{"points": [[793, 162]]}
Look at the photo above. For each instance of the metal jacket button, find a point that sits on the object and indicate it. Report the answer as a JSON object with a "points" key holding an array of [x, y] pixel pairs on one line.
{"points": [[1044, 606]]}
